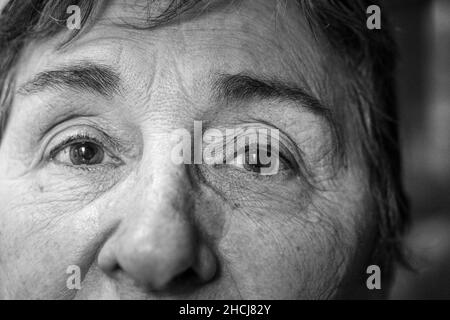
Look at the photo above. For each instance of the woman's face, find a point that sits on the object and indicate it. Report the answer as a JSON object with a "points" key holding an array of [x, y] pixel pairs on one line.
{"points": [[88, 179]]}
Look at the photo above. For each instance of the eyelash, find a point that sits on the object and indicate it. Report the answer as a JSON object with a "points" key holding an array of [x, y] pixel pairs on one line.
{"points": [[247, 148], [80, 138], [71, 140], [288, 161]]}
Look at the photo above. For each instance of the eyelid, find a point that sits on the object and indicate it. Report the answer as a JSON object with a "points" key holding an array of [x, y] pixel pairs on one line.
{"points": [[67, 135], [285, 144], [282, 145], [283, 158], [70, 140], [114, 161]]}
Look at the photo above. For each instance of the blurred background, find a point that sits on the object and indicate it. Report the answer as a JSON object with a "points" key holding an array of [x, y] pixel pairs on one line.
{"points": [[423, 35]]}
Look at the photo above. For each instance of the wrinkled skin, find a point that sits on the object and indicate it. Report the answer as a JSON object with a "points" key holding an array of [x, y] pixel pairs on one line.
{"points": [[143, 227]]}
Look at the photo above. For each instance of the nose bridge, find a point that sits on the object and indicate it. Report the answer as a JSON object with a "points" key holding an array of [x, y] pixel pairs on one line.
{"points": [[165, 193], [170, 186], [163, 187]]}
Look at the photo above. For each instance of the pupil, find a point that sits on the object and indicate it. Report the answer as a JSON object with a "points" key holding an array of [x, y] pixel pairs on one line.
{"points": [[85, 153], [253, 163]]}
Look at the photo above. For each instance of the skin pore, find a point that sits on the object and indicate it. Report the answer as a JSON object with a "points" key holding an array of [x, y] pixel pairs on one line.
{"points": [[141, 227]]}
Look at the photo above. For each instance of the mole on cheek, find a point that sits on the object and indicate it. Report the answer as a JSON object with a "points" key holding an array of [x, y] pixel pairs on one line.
{"points": [[40, 188]]}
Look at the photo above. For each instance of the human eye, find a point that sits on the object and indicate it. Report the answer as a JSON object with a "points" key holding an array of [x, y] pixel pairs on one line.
{"points": [[256, 162], [258, 153], [84, 148], [264, 160], [250, 160]]}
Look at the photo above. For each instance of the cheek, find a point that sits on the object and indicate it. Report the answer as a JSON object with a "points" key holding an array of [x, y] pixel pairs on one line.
{"points": [[282, 253], [41, 235], [279, 239]]}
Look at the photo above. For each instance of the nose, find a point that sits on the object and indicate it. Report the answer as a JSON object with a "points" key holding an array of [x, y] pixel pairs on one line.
{"points": [[156, 243]]}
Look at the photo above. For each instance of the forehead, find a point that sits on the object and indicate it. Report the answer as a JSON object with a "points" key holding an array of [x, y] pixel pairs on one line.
{"points": [[223, 36]]}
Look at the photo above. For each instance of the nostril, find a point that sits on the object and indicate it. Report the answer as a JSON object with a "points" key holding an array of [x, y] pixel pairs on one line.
{"points": [[187, 277], [107, 261], [113, 270], [185, 282], [198, 273]]}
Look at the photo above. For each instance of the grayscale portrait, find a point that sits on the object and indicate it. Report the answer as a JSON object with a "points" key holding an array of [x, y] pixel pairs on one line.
{"points": [[199, 149]]}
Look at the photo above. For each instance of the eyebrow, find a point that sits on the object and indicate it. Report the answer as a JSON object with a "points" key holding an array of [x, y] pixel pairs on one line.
{"points": [[83, 76], [244, 87], [104, 80]]}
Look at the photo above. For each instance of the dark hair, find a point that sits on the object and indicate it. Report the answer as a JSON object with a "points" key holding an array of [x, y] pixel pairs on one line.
{"points": [[366, 59]]}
